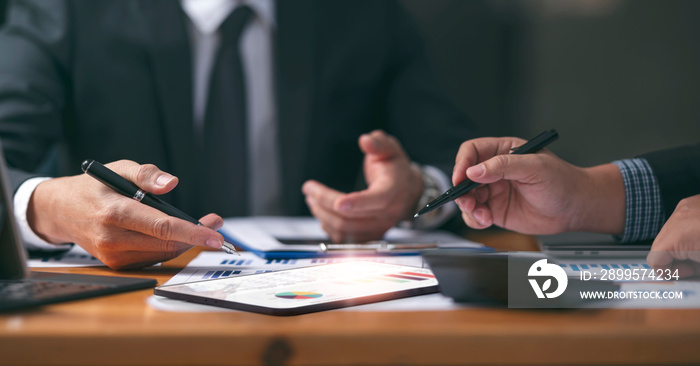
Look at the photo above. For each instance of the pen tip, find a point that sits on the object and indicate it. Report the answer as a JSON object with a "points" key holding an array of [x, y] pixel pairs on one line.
{"points": [[416, 215], [229, 248]]}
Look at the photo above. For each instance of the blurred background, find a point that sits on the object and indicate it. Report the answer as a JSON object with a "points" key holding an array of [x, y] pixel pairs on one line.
{"points": [[616, 77]]}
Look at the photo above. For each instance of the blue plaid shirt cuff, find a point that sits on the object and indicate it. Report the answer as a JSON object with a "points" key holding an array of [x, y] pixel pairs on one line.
{"points": [[644, 214]]}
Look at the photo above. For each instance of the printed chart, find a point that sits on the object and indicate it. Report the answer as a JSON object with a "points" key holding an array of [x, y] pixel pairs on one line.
{"points": [[215, 265]]}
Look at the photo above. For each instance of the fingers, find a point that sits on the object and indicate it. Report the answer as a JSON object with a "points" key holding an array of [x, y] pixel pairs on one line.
{"points": [[147, 176], [343, 217], [683, 265], [130, 250], [676, 245], [380, 145], [349, 230], [475, 213], [373, 201], [318, 194], [659, 259], [212, 221], [145, 240], [133, 216], [380, 198], [127, 214], [475, 151], [480, 218], [520, 168]]}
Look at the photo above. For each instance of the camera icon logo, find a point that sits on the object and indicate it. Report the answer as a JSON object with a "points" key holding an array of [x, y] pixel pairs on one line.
{"points": [[543, 269]]}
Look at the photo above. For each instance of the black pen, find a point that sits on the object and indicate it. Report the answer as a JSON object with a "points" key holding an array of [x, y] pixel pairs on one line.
{"points": [[532, 146], [129, 189]]}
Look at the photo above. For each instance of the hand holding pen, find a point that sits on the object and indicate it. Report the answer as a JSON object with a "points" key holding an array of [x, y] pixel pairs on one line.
{"points": [[129, 189], [119, 231], [530, 193]]}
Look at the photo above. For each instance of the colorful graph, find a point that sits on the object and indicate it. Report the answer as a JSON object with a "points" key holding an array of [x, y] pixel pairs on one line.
{"points": [[236, 262], [405, 277], [219, 274], [249, 262], [298, 295]]}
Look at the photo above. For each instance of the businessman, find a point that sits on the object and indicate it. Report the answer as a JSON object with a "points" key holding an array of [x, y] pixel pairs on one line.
{"points": [[238, 104], [656, 195]]}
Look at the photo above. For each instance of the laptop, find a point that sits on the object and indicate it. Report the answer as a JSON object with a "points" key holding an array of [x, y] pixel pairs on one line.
{"points": [[21, 288]]}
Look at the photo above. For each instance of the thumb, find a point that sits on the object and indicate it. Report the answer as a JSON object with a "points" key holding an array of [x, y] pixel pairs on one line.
{"points": [[380, 144], [505, 167], [147, 176]]}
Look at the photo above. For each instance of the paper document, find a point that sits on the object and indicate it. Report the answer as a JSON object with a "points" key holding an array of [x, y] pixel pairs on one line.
{"points": [[303, 237], [214, 265]]}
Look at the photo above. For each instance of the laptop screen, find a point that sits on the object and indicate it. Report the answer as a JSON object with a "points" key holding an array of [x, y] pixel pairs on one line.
{"points": [[12, 254]]}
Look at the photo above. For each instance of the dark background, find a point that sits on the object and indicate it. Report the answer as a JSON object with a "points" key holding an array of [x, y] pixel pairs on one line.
{"points": [[615, 77]]}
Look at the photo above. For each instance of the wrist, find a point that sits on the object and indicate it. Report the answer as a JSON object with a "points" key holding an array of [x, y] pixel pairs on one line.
{"points": [[418, 192], [602, 200], [40, 217]]}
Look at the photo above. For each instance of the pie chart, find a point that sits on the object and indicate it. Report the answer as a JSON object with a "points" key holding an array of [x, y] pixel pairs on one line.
{"points": [[298, 295]]}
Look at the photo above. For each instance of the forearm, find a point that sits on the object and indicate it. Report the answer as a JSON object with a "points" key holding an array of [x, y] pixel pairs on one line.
{"points": [[602, 198], [22, 199]]}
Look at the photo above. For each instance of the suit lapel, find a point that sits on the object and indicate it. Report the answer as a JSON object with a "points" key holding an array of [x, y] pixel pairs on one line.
{"points": [[295, 46], [170, 54]]}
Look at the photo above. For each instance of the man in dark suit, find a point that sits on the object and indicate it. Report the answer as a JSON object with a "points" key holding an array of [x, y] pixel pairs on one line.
{"points": [[121, 79], [654, 196]]}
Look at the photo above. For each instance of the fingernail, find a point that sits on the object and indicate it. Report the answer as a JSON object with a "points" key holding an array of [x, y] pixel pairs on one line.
{"points": [[345, 206], [308, 188], [479, 216], [476, 171], [214, 243], [376, 143], [460, 204], [163, 180]]}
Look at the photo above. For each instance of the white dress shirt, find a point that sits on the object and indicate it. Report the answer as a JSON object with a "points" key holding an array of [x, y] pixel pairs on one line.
{"points": [[205, 17]]}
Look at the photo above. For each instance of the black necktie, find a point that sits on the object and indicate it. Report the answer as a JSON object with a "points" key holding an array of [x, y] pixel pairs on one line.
{"points": [[225, 178]]}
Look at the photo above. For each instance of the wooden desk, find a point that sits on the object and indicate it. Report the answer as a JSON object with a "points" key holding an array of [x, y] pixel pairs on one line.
{"points": [[123, 330]]}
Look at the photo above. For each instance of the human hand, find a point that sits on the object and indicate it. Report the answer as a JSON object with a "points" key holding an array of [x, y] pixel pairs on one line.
{"points": [[677, 246], [536, 193], [394, 186], [117, 230]]}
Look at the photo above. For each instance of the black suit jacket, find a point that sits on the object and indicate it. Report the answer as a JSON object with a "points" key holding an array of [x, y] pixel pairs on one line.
{"points": [[677, 171], [112, 79]]}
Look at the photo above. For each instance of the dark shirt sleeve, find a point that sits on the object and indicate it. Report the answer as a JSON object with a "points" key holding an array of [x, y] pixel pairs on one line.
{"points": [[677, 171], [33, 74]]}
